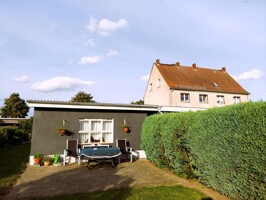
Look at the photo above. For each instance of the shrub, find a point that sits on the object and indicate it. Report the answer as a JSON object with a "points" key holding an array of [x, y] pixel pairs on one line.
{"points": [[151, 140], [227, 146], [163, 141], [16, 134], [13, 135], [224, 147]]}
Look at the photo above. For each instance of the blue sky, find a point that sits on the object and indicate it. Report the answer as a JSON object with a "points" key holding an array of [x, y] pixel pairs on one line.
{"points": [[50, 50]]}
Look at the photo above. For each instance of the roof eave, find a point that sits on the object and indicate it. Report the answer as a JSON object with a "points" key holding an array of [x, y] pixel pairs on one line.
{"points": [[227, 92], [91, 106]]}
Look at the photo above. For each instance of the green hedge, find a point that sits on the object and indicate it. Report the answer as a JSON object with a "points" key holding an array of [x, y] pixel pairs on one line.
{"points": [[163, 141], [226, 147]]}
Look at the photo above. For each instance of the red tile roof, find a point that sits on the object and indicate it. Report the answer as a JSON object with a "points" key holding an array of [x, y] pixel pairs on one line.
{"points": [[199, 79]]}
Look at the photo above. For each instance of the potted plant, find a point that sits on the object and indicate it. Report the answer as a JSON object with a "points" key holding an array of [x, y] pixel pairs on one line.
{"points": [[125, 127], [47, 160], [62, 131], [37, 158], [56, 160]]}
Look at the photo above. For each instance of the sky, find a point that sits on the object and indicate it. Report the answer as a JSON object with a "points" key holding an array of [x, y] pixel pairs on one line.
{"points": [[52, 49]]}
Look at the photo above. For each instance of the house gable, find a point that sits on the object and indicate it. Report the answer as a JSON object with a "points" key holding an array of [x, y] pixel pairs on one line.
{"points": [[195, 82]]}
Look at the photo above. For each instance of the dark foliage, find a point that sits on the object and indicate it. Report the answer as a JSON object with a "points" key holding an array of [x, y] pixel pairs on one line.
{"points": [[14, 107]]}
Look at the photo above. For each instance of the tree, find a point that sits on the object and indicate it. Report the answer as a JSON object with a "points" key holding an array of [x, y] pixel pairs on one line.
{"points": [[82, 97], [14, 107], [140, 102]]}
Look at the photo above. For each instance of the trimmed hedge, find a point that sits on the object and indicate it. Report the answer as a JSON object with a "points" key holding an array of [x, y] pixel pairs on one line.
{"points": [[226, 147], [163, 141]]}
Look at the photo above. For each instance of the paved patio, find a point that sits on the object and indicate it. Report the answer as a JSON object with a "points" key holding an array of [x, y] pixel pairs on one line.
{"points": [[51, 181]]}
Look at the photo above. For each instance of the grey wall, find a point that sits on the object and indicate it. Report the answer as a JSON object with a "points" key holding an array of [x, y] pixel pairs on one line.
{"points": [[47, 140]]}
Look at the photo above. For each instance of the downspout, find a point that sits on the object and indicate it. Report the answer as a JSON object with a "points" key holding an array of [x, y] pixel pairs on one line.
{"points": [[170, 96]]}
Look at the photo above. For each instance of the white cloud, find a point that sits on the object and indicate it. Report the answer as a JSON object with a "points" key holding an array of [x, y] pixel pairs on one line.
{"points": [[253, 74], [20, 78], [90, 42], [92, 26], [145, 78], [105, 26], [60, 83], [90, 60], [112, 53], [95, 59]]}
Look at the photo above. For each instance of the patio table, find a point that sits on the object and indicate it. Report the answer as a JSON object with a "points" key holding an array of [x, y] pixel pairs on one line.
{"points": [[100, 155]]}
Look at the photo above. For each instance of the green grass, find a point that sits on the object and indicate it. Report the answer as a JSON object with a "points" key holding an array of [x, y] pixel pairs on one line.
{"points": [[13, 160], [162, 192]]}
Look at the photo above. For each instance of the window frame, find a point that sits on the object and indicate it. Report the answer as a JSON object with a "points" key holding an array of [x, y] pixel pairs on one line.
{"points": [[205, 98], [237, 98], [89, 131], [158, 83], [185, 97], [218, 99], [150, 87]]}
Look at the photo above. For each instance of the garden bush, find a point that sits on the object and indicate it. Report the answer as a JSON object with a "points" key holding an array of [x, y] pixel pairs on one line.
{"points": [[227, 146], [16, 134], [163, 141], [223, 147], [151, 140]]}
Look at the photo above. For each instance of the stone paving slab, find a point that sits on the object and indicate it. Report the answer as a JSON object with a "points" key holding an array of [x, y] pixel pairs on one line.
{"points": [[72, 179]]}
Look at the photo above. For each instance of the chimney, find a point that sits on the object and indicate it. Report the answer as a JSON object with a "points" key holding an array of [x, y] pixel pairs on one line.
{"points": [[178, 64], [194, 66], [158, 61], [224, 69]]}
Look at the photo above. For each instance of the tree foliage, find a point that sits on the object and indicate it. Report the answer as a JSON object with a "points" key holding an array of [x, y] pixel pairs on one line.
{"points": [[139, 102], [82, 97], [14, 107]]}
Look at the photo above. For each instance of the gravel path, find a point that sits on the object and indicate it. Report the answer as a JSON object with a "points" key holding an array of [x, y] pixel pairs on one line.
{"points": [[71, 179]]}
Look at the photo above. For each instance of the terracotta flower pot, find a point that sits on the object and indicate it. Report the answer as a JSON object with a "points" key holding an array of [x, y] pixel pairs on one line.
{"points": [[37, 161], [62, 131], [126, 129]]}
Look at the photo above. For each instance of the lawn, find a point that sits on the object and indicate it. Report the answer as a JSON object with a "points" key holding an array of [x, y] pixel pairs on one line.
{"points": [[162, 192], [13, 161]]}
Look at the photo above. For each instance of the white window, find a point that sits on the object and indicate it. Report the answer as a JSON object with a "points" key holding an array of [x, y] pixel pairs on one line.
{"points": [[96, 130], [236, 100], [150, 86], [203, 98], [184, 97], [159, 83], [220, 99]]}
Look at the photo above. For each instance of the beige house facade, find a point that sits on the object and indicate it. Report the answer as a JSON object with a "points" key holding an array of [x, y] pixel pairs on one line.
{"points": [[191, 87]]}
